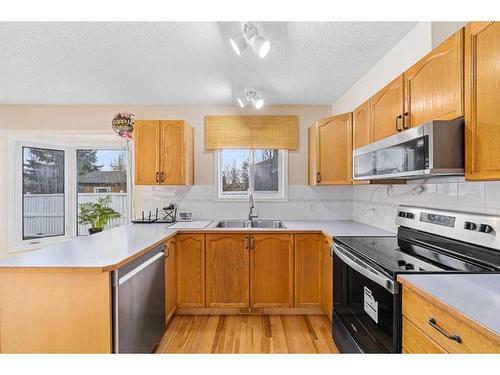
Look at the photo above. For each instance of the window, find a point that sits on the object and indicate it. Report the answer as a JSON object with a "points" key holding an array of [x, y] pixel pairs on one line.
{"points": [[50, 180], [42, 193], [102, 173], [262, 172]]}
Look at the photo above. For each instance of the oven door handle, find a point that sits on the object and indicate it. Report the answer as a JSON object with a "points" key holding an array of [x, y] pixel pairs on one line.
{"points": [[365, 269]]}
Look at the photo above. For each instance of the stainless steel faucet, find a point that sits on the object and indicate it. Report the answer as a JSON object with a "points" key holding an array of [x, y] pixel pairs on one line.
{"points": [[251, 207]]}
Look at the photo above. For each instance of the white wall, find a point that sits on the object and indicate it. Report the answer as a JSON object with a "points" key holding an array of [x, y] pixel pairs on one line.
{"points": [[376, 204], [404, 54], [51, 122]]}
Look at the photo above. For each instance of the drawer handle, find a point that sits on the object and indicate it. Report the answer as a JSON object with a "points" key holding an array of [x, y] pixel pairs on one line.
{"points": [[433, 324]]}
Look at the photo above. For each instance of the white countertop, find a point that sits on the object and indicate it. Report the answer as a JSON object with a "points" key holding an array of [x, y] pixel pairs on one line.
{"points": [[475, 295], [105, 250]]}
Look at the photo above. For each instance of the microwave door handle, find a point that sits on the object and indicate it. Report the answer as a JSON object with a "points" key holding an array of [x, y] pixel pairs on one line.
{"points": [[366, 270]]}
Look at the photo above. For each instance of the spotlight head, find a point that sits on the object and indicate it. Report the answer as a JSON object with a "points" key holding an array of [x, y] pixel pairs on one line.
{"points": [[241, 102], [258, 102], [261, 46], [249, 36], [239, 43]]}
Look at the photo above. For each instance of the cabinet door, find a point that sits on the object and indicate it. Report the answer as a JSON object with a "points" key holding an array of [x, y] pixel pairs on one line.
{"points": [[434, 85], [327, 274], [146, 152], [361, 125], [387, 109], [172, 152], [334, 141], [271, 270], [313, 153], [190, 254], [308, 279], [170, 279], [482, 110], [227, 271]]}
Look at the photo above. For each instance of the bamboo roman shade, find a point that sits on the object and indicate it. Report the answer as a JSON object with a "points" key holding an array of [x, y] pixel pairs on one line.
{"points": [[277, 132]]}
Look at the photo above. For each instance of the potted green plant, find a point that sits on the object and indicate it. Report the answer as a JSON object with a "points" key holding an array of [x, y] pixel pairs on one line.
{"points": [[97, 214]]}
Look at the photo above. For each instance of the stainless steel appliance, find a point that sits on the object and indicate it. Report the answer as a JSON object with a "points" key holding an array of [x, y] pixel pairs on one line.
{"points": [[367, 298], [435, 148], [139, 303]]}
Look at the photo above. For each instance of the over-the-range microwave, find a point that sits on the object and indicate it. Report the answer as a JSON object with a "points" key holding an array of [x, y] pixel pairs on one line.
{"points": [[435, 148]]}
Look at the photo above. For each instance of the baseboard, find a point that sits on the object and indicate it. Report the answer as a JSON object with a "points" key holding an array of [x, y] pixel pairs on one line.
{"points": [[250, 311]]}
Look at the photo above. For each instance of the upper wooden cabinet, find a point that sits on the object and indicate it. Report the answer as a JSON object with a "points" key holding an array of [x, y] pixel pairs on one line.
{"points": [[482, 109], [271, 270], [361, 126], [163, 152], [308, 280], [333, 151], [227, 270], [434, 85], [387, 109], [190, 256]]}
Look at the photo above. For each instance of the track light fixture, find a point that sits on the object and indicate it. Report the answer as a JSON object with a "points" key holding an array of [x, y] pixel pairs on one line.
{"points": [[249, 36], [250, 97]]}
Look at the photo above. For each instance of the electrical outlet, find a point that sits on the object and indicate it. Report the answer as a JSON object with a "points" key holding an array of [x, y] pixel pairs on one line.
{"points": [[310, 207]]}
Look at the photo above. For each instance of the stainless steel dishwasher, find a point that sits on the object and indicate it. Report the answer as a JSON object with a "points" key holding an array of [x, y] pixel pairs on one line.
{"points": [[139, 303]]}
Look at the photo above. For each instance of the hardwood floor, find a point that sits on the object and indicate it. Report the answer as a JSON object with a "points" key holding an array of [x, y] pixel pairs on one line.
{"points": [[248, 334]]}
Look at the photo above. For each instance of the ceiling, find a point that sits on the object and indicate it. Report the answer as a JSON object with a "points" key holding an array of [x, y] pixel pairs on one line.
{"points": [[185, 62]]}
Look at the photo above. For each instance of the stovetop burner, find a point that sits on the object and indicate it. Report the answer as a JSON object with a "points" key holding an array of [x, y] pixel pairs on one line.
{"points": [[399, 255]]}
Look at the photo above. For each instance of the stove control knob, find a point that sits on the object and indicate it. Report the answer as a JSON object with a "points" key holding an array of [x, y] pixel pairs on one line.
{"points": [[409, 266], [401, 263]]}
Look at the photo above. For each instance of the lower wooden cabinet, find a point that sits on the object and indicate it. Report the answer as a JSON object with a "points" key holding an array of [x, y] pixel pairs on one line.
{"points": [[271, 270], [190, 254], [170, 279], [430, 326], [308, 277], [327, 277], [227, 270]]}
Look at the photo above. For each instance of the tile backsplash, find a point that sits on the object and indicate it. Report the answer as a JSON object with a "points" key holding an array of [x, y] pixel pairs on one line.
{"points": [[371, 204], [376, 204], [304, 203]]}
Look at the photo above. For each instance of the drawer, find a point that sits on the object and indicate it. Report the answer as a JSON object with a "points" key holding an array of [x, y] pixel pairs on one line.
{"points": [[416, 342], [420, 311]]}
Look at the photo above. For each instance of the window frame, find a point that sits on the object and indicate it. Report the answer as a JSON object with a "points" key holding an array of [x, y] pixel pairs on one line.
{"points": [[259, 196], [15, 186]]}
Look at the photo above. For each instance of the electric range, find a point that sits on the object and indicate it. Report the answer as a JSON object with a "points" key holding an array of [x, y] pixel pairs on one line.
{"points": [[367, 296]]}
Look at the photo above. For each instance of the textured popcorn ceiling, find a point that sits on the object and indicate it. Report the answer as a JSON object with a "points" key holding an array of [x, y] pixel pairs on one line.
{"points": [[185, 62]]}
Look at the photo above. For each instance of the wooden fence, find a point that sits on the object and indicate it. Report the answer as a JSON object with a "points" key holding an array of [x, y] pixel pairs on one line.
{"points": [[44, 213]]}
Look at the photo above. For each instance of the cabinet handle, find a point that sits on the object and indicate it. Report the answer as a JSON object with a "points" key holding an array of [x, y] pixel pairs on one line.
{"points": [[161, 177], [433, 324], [397, 123], [247, 246], [157, 177], [252, 244], [167, 251], [318, 177], [405, 122]]}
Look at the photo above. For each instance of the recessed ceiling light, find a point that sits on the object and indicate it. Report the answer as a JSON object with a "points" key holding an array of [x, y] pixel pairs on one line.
{"points": [[249, 36]]}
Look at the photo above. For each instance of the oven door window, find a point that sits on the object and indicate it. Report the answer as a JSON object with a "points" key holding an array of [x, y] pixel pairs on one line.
{"points": [[366, 309]]}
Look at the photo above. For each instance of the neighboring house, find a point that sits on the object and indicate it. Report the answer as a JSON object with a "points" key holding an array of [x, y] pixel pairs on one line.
{"points": [[103, 182], [266, 174]]}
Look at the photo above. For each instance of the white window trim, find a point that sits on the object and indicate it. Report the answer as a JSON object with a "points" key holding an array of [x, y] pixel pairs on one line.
{"points": [[15, 184], [280, 196]]}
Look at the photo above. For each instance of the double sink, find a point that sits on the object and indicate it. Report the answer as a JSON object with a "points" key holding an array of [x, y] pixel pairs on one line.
{"points": [[267, 224]]}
